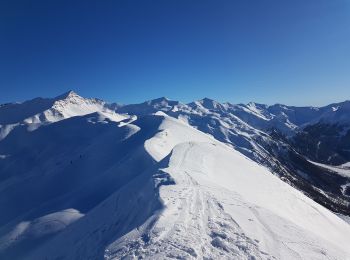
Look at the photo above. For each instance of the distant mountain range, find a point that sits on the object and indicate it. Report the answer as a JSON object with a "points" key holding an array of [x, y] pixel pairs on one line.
{"points": [[287, 139], [81, 178]]}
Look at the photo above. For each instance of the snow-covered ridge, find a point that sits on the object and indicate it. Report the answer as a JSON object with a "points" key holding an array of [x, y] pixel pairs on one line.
{"points": [[68, 105], [200, 200], [260, 116], [287, 119], [153, 181]]}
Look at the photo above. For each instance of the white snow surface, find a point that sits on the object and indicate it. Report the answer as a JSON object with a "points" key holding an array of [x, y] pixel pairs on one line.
{"points": [[102, 185], [225, 206], [201, 200], [45, 225], [32, 115], [342, 170]]}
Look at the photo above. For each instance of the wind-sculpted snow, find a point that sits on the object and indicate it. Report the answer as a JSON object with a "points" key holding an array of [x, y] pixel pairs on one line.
{"points": [[95, 184], [74, 163], [29, 232]]}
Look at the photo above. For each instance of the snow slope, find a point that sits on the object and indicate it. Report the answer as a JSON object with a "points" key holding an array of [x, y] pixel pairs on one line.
{"points": [[225, 206], [79, 181], [341, 170], [69, 164], [198, 199]]}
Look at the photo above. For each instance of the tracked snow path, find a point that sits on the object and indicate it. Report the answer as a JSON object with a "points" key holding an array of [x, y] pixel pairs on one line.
{"points": [[194, 225]]}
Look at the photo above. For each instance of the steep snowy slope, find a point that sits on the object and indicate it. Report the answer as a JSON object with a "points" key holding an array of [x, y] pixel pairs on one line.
{"points": [[72, 164], [153, 188], [225, 207]]}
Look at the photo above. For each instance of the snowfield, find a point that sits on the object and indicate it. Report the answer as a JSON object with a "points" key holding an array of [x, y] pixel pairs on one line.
{"points": [[106, 186], [342, 170], [224, 206]]}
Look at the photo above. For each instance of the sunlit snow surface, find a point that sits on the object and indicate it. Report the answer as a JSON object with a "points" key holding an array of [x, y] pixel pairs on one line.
{"points": [[101, 185]]}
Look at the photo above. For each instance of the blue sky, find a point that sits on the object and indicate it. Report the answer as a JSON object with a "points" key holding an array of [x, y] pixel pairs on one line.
{"points": [[268, 51]]}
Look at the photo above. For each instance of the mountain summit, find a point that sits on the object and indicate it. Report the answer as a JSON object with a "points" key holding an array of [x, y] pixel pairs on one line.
{"points": [[36, 112]]}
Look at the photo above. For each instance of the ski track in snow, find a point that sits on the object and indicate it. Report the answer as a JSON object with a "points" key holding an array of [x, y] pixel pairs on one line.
{"points": [[196, 224]]}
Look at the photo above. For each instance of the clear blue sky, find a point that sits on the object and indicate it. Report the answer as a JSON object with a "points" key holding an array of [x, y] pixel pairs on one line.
{"points": [[268, 51]]}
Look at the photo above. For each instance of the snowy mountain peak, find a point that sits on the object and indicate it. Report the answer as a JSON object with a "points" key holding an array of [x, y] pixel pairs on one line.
{"points": [[36, 112], [207, 104], [67, 94], [159, 100], [71, 93], [257, 105], [150, 106], [71, 104]]}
